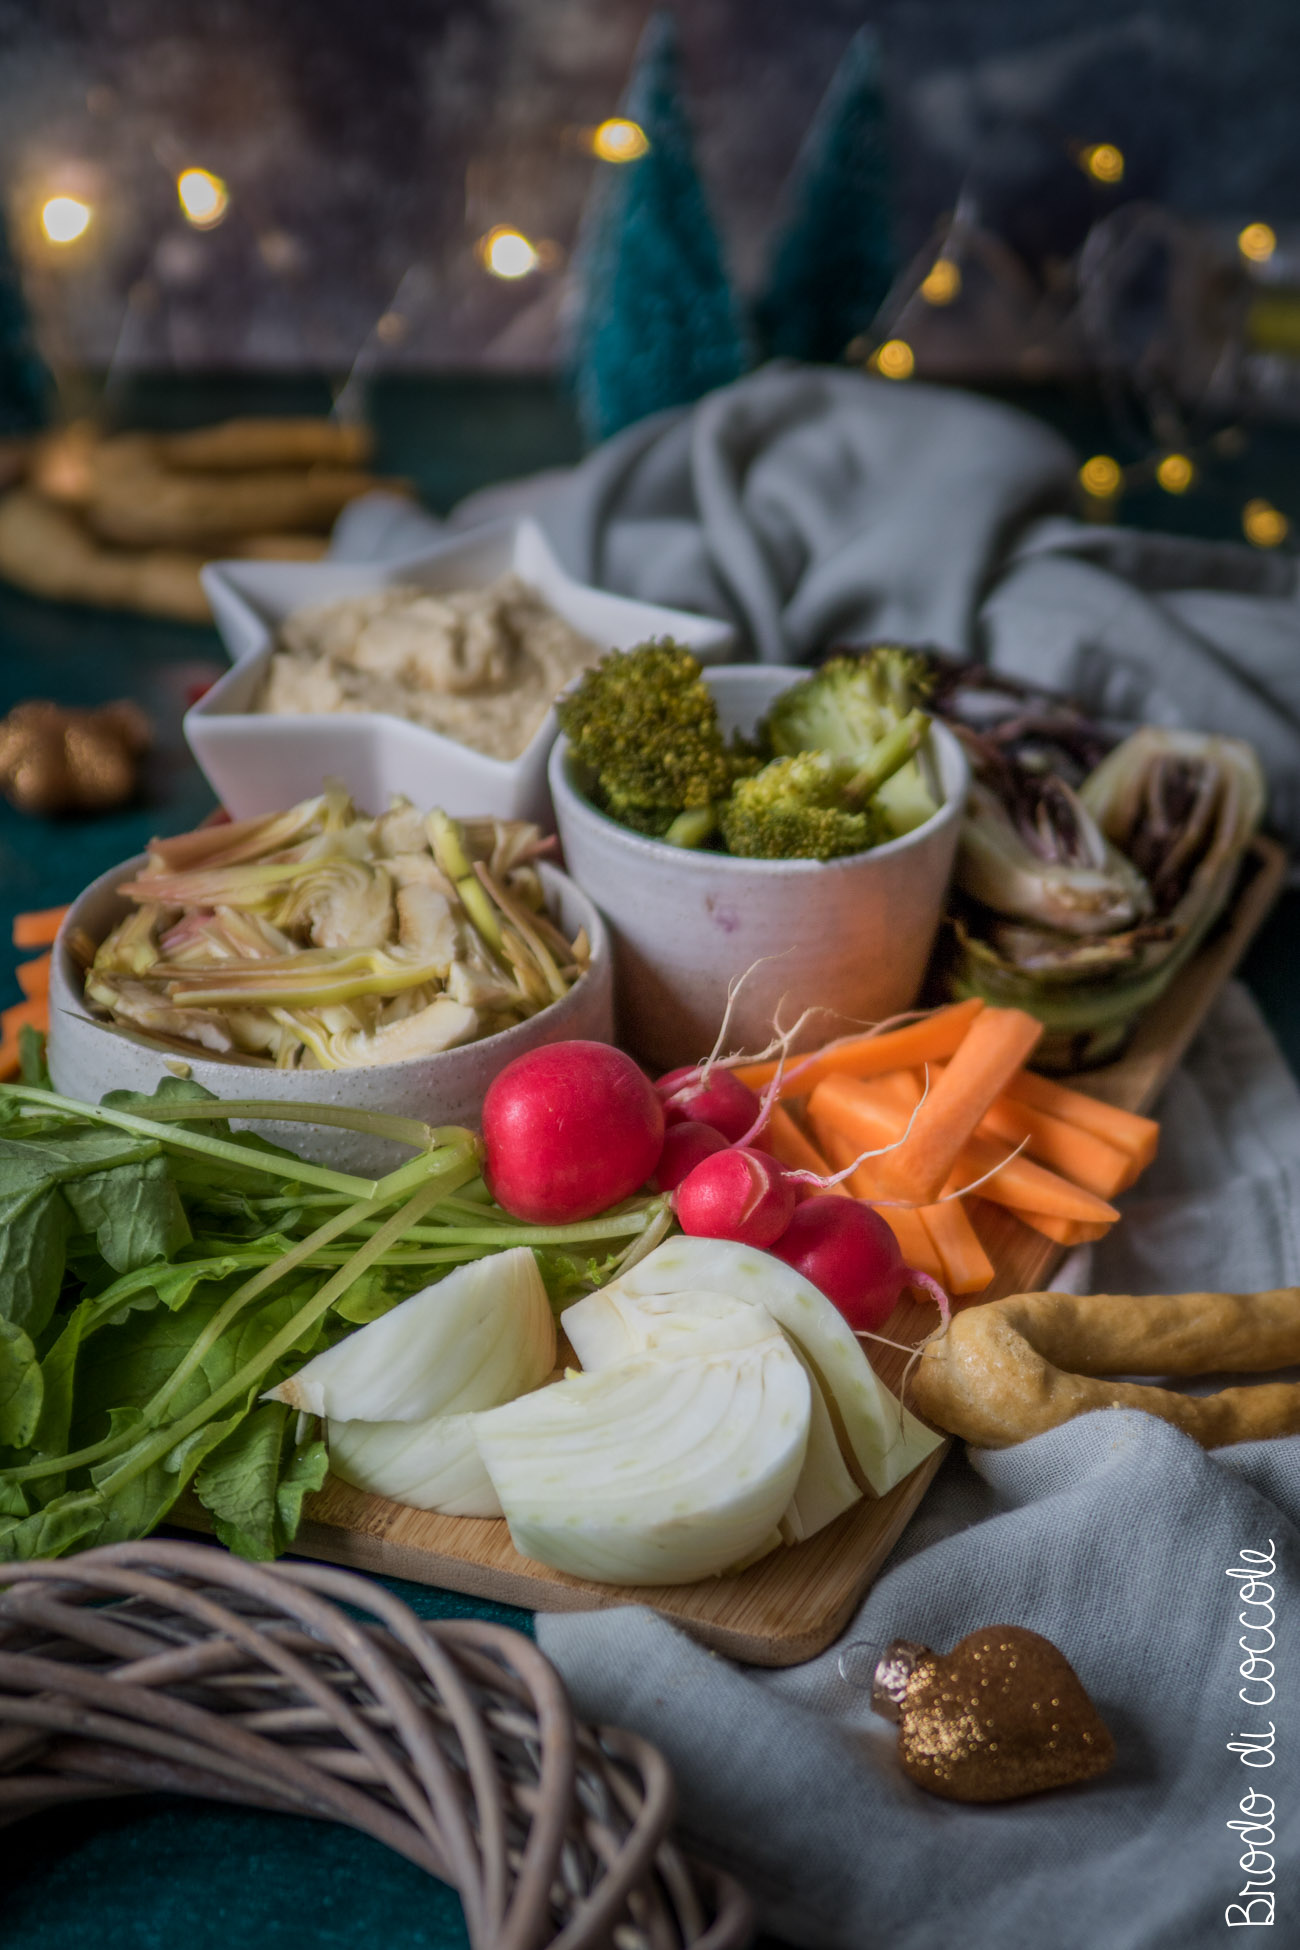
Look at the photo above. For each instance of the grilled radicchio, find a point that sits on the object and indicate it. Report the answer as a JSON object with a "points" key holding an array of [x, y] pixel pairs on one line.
{"points": [[1080, 907]]}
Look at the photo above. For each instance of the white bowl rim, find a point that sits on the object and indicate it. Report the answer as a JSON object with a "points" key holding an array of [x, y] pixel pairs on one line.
{"points": [[303, 722], [700, 860], [593, 922]]}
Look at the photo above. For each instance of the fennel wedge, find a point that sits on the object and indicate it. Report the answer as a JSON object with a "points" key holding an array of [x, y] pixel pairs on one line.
{"points": [[1081, 907]]}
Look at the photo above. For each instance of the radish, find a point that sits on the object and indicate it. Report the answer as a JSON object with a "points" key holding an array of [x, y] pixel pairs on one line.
{"points": [[847, 1250], [569, 1130], [736, 1194], [710, 1096], [685, 1146]]}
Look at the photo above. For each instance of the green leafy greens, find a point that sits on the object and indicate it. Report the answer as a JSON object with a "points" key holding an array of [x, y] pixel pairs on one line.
{"points": [[160, 1271]]}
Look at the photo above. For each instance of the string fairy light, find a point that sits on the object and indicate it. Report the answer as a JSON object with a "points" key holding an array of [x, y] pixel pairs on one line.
{"points": [[894, 359], [618, 140], [203, 197], [65, 218], [507, 253], [1263, 524], [942, 283], [1102, 477], [1175, 473], [1103, 161], [1257, 242]]}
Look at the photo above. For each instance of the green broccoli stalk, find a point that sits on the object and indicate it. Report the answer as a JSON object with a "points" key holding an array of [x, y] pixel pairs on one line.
{"points": [[846, 708], [644, 733], [816, 806]]}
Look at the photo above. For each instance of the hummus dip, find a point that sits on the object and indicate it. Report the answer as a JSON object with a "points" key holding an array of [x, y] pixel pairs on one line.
{"points": [[480, 665]]}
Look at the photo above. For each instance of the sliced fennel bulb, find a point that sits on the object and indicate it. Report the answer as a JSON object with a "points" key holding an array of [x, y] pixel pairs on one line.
{"points": [[482, 1335], [882, 1438], [432, 1465], [618, 1323], [655, 1470]]}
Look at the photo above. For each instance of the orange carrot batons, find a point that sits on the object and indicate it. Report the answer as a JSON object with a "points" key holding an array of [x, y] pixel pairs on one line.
{"points": [[995, 1046], [929, 1040], [34, 976], [787, 1143], [38, 930], [1122, 1128], [1076, 1154]]}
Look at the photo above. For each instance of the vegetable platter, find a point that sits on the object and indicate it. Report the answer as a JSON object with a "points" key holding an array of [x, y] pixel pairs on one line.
{"points": [[792, 1602]]}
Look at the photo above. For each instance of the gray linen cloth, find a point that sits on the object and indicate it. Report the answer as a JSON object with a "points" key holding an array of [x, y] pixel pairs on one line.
{"points": [[810, 505], [1111, 1536]]}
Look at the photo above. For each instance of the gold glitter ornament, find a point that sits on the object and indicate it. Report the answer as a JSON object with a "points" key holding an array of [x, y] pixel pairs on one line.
{"points": [[1003, 1714]]}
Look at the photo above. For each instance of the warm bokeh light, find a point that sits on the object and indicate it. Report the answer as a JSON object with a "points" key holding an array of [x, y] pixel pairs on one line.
{"points": [[1263, 524], [618, 140], [507, 253], [943, 282], [203, 197], [895, 359], [1103, 162], [65, 218], [1101, 477], [1257, 241], [1175, 473]]}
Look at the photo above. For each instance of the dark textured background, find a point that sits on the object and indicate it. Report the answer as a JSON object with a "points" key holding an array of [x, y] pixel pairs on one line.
{"points": [[367, 148]]}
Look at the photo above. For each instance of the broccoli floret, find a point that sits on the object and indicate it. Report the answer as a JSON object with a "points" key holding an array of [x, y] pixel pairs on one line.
{"points": [[850, 703], [847, 708], [800, 808], [644, 727]]}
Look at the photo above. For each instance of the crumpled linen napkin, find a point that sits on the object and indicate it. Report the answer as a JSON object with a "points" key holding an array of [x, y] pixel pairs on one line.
{"points": [[1112, 1536], [810, 505]]}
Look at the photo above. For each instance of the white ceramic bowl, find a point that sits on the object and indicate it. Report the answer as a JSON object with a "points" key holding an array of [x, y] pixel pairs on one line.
{"points": [[256, 763], [849, 937], [86, 1059]]}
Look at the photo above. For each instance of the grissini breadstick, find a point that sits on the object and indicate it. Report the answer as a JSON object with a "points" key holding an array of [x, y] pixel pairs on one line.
{"points": [[133, 500], [46, 550], [1017, 1367], [241, 446]]}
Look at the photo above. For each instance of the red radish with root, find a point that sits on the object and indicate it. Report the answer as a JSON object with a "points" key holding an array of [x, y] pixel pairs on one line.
{"points": [[709, 1094], [847, 1250], [685, 1146], [569, 1130], [737, 1194]]}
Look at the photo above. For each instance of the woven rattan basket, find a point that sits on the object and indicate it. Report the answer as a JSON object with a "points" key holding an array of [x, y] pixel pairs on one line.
{"points": [[172, 1667]]}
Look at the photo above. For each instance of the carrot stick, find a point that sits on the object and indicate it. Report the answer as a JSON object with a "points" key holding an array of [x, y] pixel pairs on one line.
{"points": [[864, 1119], [34, 976], [1066, 1232], [1122, 1128], [38, 930], [34, 1013], [993, 1049], [9, 1059], [967, 1268], [784, 1141], [1078, 1155], [907, 1226], [933, 1037], [1025, 1186]]}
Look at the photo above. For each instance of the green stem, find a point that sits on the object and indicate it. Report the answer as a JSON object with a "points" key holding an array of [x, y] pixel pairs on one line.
{"points": [[892, 752], [207, 1147], [242, 1297], [255, 1369], [374, 1123]]}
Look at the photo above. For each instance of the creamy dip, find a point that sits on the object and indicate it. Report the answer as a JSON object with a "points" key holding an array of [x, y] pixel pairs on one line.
{"points": [[479, 665]]}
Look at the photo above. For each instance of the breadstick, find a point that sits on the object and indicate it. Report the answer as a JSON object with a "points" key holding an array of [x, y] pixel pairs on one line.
{"points": [[241, 446], [137, 501], [1016, 1367], [45, 550]]}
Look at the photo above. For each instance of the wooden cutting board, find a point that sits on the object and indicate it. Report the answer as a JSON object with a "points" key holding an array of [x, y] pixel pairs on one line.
{"points": [[792, 1603]]}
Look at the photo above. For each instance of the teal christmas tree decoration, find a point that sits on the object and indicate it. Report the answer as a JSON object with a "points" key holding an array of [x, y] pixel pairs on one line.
{"points": [[833, 258], [26, 389], [657, 323]]}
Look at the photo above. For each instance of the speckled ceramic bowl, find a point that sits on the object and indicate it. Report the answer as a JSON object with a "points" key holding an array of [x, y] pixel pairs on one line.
{"points": [[86, 1059], [849, 938]]}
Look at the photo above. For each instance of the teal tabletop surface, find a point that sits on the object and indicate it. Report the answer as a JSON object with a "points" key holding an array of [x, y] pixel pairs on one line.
{"points": [[162, 1874]]}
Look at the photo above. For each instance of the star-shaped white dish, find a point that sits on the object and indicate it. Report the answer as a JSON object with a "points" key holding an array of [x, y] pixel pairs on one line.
{"points": [[257, 763]]}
